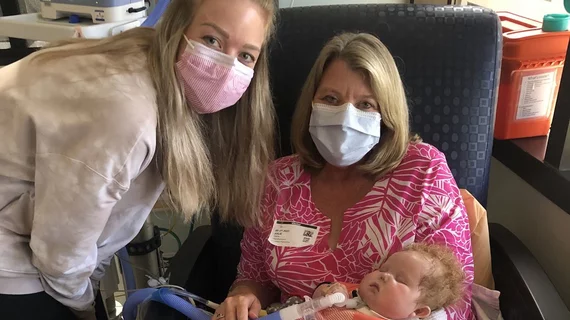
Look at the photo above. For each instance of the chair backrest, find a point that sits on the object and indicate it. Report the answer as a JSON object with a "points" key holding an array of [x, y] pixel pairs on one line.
{"points": [[449, 59]]}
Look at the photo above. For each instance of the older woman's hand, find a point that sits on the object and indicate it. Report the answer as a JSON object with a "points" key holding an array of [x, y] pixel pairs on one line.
{"points": [[241, 306]]}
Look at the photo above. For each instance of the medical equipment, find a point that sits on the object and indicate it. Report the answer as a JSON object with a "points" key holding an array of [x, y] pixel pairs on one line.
{"points": [[156, 13], [99, 11], [174, 298], [307, 308], [167, 296], [144, 251]]}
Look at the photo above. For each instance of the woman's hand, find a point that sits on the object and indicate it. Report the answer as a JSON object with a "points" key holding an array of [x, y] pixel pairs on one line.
{"points": [[241, 306]]}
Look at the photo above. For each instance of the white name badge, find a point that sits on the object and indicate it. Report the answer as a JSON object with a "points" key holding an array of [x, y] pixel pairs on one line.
{"points": [[293, 234]]}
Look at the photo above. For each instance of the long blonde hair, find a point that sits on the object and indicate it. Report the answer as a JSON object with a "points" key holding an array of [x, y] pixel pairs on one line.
{"points": [[206, 160], [366, 54]]}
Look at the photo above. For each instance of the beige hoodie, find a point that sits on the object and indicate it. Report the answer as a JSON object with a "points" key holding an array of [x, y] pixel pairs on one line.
{"points": [[77, 176]]}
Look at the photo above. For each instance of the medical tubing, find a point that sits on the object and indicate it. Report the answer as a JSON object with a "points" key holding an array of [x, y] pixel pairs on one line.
{"points": [[193, 297], [350, 304], [173, 234], [134, 299], [310, 307], [156, 13], [128, 273], [165, 296], [271, 316]]}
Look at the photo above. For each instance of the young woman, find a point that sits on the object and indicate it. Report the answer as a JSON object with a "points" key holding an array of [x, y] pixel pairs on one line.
{"points": [[93, 130]]}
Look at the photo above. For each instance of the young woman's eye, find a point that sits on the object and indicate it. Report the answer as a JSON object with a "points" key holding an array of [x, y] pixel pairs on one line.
{"points": [[247, 58], [211, 41]]}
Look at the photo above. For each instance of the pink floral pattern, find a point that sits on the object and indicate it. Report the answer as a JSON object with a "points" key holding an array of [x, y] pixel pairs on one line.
{"points": [[418, 202]]}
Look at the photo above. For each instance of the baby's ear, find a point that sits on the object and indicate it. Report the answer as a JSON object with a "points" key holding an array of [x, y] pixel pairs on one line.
{"points": [[422, 312]]}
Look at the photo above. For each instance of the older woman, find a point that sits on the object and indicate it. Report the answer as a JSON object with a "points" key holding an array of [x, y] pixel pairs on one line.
{"points": [[359, 188]]}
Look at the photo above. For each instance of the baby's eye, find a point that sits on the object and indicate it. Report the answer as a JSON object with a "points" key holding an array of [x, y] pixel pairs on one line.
{"points": [[401, 280]]}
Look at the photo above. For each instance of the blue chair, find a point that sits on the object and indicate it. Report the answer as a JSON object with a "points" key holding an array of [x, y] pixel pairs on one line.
{"points": [[449, 58]]}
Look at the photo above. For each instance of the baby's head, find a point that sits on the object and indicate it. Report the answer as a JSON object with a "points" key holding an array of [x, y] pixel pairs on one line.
{"points": [[413, 282]]}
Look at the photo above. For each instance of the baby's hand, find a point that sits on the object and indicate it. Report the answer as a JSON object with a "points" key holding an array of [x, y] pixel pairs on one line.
{"points": [[328, 289]]}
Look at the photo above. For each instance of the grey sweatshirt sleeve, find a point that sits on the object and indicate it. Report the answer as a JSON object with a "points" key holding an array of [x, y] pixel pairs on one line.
{"points": [[72, 206], [79, 135]]}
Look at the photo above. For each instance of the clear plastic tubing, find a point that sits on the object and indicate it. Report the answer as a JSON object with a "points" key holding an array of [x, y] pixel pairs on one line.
{"points": [[310, 307]]}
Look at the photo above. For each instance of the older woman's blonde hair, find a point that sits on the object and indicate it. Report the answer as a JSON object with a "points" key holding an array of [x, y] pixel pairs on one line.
{"points": [[206, 160], [364, 53]]}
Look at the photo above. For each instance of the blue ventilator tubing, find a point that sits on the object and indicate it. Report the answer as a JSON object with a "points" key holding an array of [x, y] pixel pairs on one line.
{"points": [[164, 296], [156, 13], [271, 316], [133, 301], [129, 274], [170, 298]]}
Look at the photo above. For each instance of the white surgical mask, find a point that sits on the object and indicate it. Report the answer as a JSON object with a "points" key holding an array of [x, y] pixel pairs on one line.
{"points": [[344, 134]]}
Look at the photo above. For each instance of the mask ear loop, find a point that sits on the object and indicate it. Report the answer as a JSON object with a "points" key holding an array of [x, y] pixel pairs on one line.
{"points": [[190, 44]]}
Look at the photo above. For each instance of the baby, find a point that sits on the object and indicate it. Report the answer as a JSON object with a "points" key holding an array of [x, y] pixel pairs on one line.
{"points": [[410, 284]]}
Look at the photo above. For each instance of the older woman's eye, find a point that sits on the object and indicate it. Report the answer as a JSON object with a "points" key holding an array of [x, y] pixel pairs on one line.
{"points": [[365, 105], [331, 99]]}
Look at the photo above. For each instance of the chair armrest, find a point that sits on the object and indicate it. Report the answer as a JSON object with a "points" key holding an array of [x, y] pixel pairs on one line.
{"points": [[182, 263], [526, 291]]}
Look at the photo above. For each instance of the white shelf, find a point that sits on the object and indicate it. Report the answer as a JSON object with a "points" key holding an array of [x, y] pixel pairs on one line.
{"points": [[33, 27]]}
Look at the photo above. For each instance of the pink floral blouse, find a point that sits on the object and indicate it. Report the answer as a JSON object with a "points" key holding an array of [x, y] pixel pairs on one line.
{"points": [[418, 202]]}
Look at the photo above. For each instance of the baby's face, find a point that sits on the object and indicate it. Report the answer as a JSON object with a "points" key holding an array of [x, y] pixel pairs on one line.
{"points": [[393, 290]]}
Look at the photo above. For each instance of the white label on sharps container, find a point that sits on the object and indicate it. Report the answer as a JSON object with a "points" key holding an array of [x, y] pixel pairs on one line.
{"points": [[293, 234], [536, 95]]}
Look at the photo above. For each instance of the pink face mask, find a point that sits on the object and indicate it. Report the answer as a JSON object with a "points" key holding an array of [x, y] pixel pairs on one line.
{"points": [[212, 80]]}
